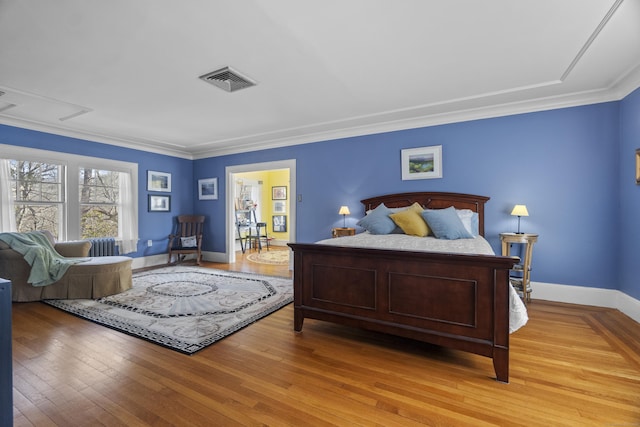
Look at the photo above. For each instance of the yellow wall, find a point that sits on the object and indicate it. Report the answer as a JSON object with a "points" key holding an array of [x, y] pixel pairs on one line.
{"points": [[270, 179]]}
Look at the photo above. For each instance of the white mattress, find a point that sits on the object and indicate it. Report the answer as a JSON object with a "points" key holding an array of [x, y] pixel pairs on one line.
{"points": [[517, 310]]}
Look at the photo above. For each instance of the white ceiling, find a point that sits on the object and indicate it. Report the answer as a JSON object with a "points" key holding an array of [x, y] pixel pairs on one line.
{"points": [[126, 72]]}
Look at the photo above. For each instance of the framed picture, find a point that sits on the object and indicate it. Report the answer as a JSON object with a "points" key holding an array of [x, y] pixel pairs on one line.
{"points": [[421, 163], [279, 193], [279, 223], [279, 207], [159, 203], [638, 166], [208, 189], [158, 181]]}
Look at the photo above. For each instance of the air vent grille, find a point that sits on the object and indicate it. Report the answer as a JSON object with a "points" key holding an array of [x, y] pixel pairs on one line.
{"points": [[228, 79]]}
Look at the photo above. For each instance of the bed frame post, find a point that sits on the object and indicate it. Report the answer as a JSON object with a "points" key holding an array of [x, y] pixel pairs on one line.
{"points": [[501, 326]]}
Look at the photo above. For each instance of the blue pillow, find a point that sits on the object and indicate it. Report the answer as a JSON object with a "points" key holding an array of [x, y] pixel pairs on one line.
{"points": [[446, 224], [377, 221]]}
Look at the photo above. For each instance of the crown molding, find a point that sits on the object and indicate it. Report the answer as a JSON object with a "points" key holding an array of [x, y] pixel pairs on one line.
{"points": [[350, 127]]}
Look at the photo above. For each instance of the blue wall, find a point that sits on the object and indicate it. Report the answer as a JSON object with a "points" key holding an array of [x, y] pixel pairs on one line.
{"points": [[566, 165], [152, 226], [562, 164], [629, 236]]}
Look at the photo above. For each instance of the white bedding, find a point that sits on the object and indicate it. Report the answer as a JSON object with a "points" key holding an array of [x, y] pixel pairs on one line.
{"points": [[517, 310]]}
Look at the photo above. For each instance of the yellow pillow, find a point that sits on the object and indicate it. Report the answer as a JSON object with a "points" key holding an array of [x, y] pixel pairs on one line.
{"points": [[411, 222]]}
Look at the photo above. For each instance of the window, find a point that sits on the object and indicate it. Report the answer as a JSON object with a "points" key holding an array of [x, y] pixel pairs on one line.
{"points": [[38, 193], [99, 197], [74, 197]]}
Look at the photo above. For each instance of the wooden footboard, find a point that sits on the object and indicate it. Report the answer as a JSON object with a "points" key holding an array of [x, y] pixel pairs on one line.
{"points": [[453, 300]]}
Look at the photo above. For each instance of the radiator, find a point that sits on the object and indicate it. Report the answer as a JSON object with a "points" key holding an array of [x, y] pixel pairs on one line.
{"points": [[105, 246]]}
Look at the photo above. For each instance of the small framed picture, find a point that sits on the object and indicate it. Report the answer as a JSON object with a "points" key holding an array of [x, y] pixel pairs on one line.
{"points": [[422, 163], [158, 181], [279, 193], [208, 189], [279, 207], [159, 203], [279, 223]]}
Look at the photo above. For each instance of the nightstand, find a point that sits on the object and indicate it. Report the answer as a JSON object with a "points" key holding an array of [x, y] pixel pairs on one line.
{"points": [[520, 275], [343, 231]]}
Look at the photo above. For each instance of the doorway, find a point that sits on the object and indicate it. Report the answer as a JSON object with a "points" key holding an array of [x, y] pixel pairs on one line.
{"points": [[235, 173]]}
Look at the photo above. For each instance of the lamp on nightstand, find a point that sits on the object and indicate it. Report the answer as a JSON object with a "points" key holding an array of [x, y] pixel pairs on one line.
{"points": [[519, 210], [344, 211]]}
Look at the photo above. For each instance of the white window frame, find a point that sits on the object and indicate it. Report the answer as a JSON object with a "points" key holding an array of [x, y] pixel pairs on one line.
{"points": [[70, 226]]}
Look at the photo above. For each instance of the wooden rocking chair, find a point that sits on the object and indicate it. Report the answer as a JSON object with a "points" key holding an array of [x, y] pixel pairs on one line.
{"points": [[187, 239]]}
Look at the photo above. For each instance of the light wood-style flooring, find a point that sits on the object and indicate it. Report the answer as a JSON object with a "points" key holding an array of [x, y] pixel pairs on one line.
{"points": [[571, 365]]}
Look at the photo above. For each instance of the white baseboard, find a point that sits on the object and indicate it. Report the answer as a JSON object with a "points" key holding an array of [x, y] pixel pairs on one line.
{"points": [[160, 259], [598, 297], [149, 261]]}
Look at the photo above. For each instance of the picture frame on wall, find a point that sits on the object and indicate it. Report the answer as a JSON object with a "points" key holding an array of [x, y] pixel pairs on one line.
{"points": [[158, 181], [279, 193], [279, 223], [208, 189], [421, 163], [159, 203], [279, 207]]}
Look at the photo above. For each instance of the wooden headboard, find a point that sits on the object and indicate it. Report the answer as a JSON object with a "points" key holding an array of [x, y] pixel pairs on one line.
{"points": [[432, 200]]}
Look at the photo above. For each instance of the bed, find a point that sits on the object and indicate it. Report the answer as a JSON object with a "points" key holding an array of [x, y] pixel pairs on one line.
{"points": [[456, 300]]}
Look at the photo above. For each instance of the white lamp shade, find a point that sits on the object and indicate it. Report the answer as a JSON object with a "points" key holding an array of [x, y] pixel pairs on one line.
{"points": [[520, 210], [344, 210]]}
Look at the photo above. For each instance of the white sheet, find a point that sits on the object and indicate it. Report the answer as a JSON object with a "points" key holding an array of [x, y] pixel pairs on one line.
{"points": [[517, 310]]}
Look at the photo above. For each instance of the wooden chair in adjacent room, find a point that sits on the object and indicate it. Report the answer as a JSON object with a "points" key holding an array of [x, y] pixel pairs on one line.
{"points": [[260, 237], [187, 239]]}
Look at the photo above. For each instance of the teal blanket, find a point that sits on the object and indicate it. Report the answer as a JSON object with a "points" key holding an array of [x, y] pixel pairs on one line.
{"points": [[47, 265]]}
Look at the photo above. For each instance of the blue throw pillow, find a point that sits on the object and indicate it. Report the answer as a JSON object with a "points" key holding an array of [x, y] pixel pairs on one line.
{"points": [[377, 221], [446, 224]]}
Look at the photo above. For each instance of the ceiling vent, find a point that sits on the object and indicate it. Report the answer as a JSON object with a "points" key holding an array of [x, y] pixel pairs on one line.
{"points": [[228, 79]]}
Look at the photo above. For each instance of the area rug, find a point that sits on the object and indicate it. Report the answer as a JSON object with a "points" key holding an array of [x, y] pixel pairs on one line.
{"points": [[270, 257], [185, 308]]}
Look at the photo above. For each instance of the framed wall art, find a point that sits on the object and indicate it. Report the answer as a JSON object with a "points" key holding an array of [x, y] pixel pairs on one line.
{"points": [[208, 189], [158, 181], [159, 203], [279, 206], [279, 223], [421, 163], [279, 193]]}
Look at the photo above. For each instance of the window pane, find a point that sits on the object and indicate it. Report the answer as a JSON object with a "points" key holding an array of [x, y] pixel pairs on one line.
{"points": [[99, 202], [38, 194], [38, 217], [99, 221]]}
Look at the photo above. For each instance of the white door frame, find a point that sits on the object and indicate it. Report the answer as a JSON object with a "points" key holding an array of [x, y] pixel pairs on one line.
{"points": [[230, 251]]}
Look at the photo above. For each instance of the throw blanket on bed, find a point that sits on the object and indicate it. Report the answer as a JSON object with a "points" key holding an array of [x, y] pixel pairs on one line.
{"points": [[47, 265], [517, 310]]}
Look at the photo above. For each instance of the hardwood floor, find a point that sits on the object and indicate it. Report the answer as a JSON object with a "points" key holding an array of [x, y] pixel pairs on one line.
{"points": [[571, 365]]}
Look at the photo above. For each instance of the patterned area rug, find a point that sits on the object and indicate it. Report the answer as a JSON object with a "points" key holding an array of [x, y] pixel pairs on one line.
{"points": [[185, 308], [270, 257]]}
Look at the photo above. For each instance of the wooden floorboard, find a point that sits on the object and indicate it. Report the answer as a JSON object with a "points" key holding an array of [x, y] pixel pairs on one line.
{"points": [[570, 365]]}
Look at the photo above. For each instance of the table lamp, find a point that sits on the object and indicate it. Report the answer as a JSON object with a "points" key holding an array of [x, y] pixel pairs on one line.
{"points": [[344, 211], [519, 210]]}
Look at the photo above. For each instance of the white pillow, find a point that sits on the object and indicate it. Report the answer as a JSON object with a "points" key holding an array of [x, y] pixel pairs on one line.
{"points": [[469, 219], [189, 242]]}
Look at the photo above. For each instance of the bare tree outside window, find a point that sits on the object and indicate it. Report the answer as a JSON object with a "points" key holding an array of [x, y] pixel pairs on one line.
{"points": [[99, 199], [39, 195]]}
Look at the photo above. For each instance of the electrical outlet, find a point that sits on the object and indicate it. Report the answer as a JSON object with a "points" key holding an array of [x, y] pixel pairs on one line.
{"points": [[149, 243]]}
